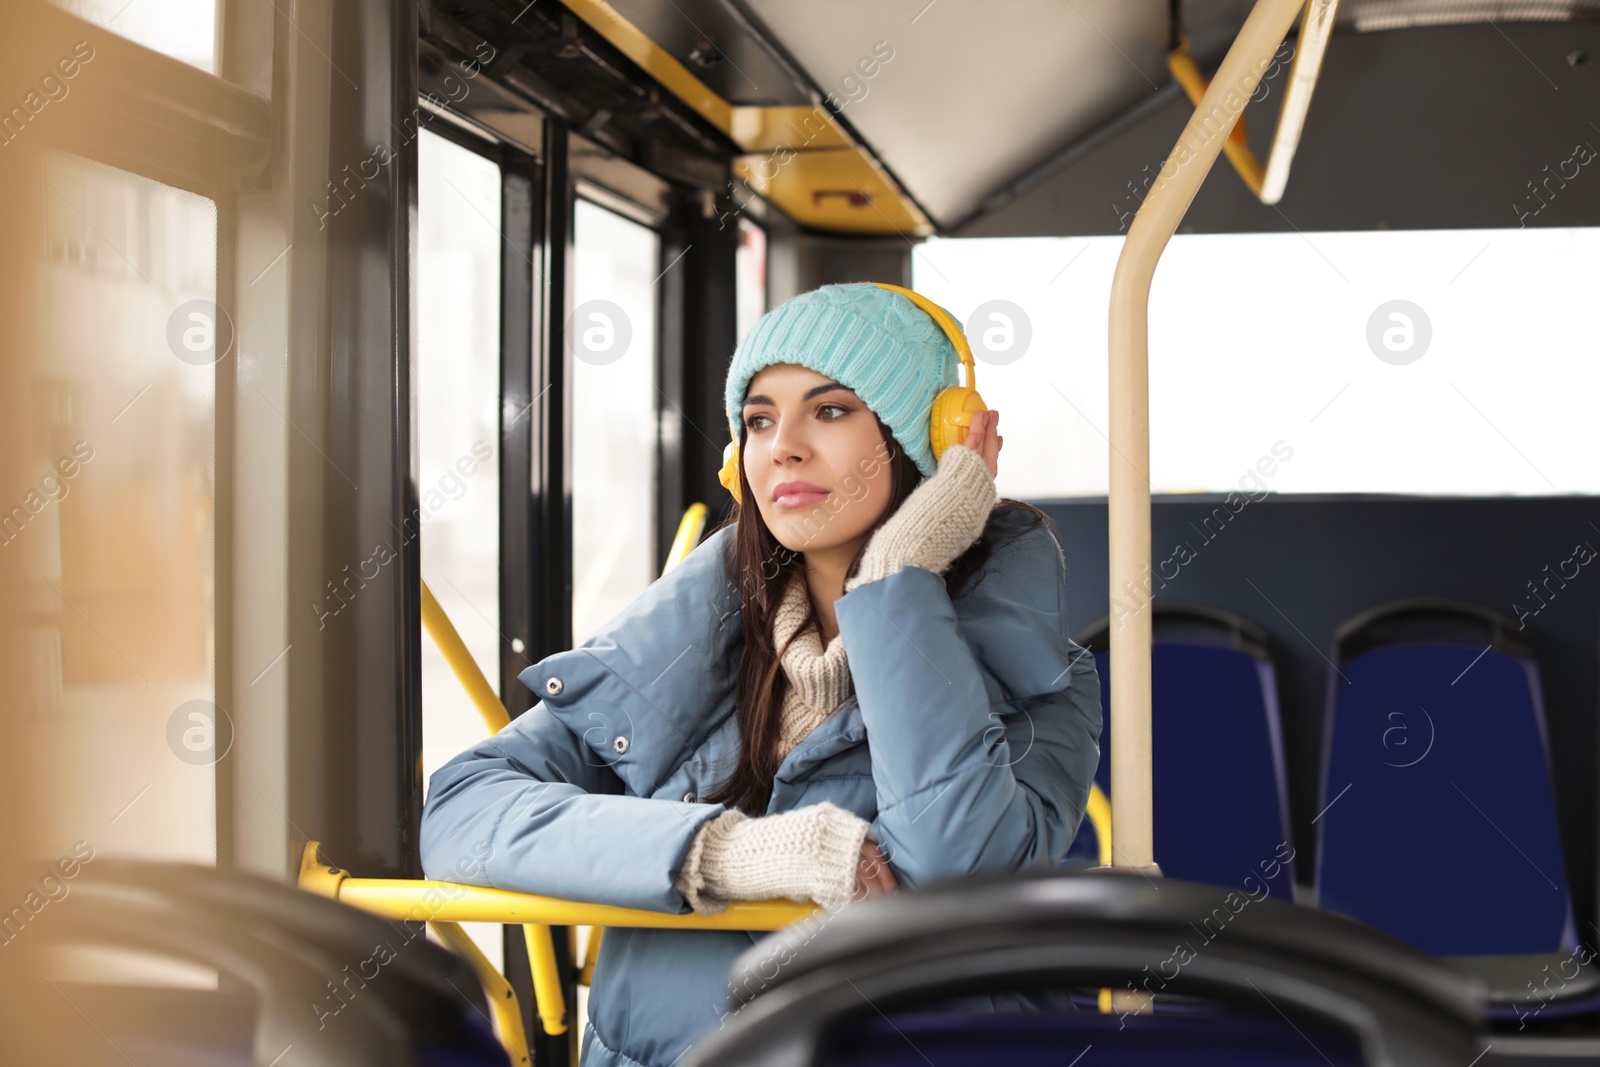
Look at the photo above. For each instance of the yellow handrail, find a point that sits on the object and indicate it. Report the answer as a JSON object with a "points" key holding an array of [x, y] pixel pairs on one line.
{"points": [[689, 530], [1099, 812], [462, 665], [427, 900], [1268, 182]]}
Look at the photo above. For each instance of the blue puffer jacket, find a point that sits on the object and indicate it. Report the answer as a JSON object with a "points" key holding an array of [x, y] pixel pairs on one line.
{"points": [[970, 745]]}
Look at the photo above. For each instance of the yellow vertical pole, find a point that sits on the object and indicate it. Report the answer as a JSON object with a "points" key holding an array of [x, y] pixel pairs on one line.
{"points": [[502, 998], [547, 994]]}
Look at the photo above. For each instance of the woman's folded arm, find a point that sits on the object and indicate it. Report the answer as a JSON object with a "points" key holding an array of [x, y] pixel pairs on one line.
{"points": [[534, 810], [965, 784]]}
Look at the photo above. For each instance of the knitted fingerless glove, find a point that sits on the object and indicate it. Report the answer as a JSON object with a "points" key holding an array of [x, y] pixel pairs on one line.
{"points": [[939, 520], [809, 853]]}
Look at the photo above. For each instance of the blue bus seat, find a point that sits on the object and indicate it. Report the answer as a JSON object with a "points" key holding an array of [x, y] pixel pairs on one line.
{"points": [[1221, 810], [1438, 821]]}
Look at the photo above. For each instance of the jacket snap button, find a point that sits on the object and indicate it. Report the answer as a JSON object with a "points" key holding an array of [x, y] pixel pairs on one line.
{"points": [[554, 687], [621, 745], [688, 798]]}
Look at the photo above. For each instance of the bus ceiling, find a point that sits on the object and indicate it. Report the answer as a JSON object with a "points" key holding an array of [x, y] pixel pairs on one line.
{"points": [[1011, 119]]}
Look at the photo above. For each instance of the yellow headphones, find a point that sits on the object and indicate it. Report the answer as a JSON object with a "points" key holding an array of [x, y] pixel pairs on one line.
{"points": [[953, 408]]}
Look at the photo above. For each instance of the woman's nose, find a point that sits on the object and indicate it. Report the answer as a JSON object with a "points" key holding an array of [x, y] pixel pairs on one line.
{"points": [[789, 441]]}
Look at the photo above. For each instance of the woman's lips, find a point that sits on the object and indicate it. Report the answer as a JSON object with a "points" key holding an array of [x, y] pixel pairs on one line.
{"points": [[800, 498]]}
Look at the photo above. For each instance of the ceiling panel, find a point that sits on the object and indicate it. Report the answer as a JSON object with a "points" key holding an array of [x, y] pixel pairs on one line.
{"points": [[964, 96], [1449, 127], [711, 39]]}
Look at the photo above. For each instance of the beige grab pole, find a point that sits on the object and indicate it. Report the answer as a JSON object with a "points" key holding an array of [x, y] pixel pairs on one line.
{"points": [[1169, 197]]}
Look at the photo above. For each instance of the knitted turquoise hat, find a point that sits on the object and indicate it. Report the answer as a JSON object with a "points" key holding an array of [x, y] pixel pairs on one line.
{"points": [[873, 341]]}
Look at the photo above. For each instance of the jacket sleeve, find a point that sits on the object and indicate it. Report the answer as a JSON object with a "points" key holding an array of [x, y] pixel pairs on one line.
{"points": [[971, 774], [534, 810]]}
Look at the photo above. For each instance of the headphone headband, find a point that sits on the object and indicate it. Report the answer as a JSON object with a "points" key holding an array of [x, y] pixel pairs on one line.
{"points": [[951, 329]]}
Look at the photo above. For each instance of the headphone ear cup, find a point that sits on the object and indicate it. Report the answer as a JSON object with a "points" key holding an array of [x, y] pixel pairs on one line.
{"points": [[729, 474], [952, 415]]}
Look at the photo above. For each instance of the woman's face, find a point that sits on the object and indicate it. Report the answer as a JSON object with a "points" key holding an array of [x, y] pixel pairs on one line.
{"points": [[817, 464]]}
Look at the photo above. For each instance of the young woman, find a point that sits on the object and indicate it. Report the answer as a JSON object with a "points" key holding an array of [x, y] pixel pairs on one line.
{"points": [[862, 682]]}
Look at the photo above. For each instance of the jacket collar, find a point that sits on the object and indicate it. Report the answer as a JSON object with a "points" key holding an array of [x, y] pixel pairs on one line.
{"points": [[836, 733], [646, 691]]}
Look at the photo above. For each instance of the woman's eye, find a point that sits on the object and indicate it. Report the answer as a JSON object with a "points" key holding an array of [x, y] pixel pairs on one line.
{"points": [[751, 421], [841, 409]]}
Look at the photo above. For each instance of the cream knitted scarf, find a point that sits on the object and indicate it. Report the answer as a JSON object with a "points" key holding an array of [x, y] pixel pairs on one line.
{"points": [[819, 679]]}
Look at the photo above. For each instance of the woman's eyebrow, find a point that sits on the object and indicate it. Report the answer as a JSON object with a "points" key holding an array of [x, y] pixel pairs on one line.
{"points": [[817, 391]]}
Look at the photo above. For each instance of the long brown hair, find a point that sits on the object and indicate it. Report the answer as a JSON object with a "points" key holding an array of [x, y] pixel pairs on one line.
{"points": [[762, 567]]}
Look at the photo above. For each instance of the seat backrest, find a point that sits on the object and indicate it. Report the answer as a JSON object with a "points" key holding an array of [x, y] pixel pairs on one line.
{"points": [[947, 948], [1439, 823], [336, 984], [1220, 798]]}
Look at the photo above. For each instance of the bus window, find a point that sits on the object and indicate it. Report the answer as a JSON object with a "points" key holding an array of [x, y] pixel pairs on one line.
{"points": [[1378, 362], [182, 29], [119, 520], [750, 281], [612, 335], [456, 383]]}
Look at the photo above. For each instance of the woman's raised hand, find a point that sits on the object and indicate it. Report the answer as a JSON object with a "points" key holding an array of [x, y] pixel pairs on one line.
{"points": [[943, 516], [984, 438], [872, 872]]}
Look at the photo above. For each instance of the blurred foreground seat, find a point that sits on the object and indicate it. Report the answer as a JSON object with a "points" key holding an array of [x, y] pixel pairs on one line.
{"points": [[906, 978], [302, 980]]}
